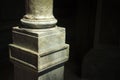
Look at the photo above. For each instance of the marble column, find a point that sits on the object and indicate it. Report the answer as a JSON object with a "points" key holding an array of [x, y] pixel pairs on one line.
{"points": [[39, 51], [39, 14]]}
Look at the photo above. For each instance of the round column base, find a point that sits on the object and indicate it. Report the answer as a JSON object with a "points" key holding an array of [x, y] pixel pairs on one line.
{"points": [[38, 24]]}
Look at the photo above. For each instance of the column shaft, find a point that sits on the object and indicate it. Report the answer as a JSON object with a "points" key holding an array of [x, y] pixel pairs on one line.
{"points": [[39, 14]]}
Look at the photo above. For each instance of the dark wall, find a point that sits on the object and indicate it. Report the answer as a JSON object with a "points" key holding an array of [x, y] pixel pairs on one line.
{"points": [[102, 61], [107, 30], [10, 13], [11, 10]]}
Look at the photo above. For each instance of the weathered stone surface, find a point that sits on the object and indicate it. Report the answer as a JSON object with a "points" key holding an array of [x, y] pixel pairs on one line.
{"points": [[39, 14], [38, 50], [39, 61], [25, 73], [39, 40]]}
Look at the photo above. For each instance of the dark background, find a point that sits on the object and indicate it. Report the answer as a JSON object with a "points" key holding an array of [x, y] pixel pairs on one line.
{"points": [[92, 28]]}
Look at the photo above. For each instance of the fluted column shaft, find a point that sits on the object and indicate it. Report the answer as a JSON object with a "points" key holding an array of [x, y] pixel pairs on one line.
{"points": [[39, 14]]}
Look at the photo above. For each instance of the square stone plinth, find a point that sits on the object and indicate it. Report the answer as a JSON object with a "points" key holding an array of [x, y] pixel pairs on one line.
{"points": [[39, 40], [23, 72], [39, 54], [39, 61]]}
